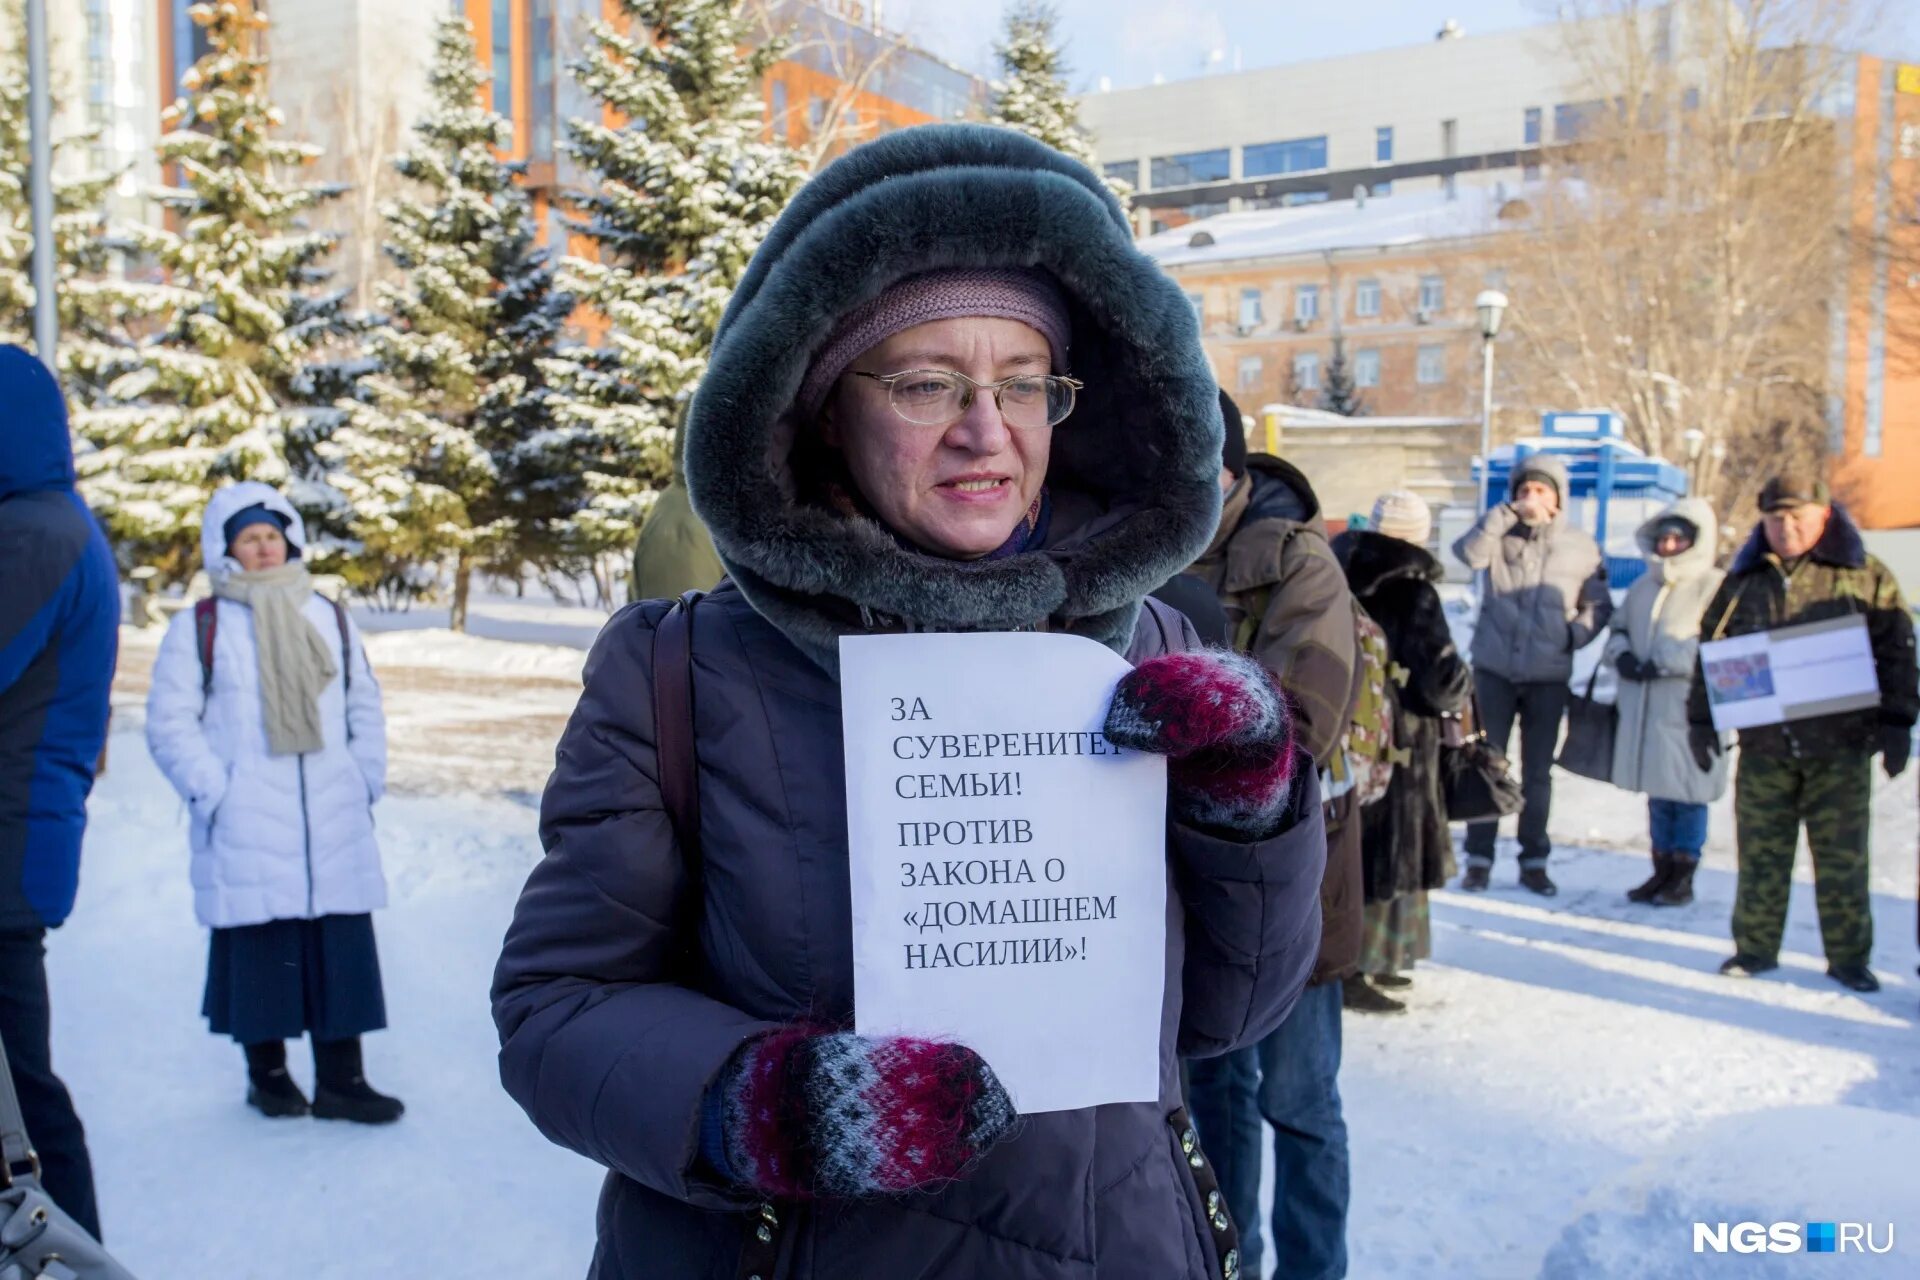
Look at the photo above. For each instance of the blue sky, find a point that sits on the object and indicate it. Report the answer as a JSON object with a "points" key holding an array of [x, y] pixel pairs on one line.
{"points": [[1132, 41]]}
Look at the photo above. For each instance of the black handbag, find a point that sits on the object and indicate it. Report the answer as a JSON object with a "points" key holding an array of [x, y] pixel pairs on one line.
{"points": [[1476, 778], [38, 1241], [1591, 729]]}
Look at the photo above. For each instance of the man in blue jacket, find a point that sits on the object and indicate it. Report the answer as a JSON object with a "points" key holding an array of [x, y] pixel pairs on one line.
{"points": [[59, 620]]}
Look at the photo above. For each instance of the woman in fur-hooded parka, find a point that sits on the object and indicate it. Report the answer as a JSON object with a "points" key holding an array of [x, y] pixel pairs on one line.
{"points": [[619, 1021]]}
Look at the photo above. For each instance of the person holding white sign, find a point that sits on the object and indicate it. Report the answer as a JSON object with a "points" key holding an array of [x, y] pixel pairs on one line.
{"points": [[1805, 563], [949, 396]]}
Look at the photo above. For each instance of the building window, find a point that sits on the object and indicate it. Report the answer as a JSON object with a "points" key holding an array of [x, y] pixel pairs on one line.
{"points": [[816, 114], [1449, 138], [1572, 119], [1127, 171], [1433, 294], [1432, 366], [1250, 316], [1199, 304], [1383, 145], [1366, 368], [1205, 209], [1366, 299], [1299, 155], [780, 125], [1319, 195], [1247, 376], [1530, 131], [540, 121], [1194, 166], [503, 57], [1530, 173], [1306, 372], [1383, 188], [1306, 303]]}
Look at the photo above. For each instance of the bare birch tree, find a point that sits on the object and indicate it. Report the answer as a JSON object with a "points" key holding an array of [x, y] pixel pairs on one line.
{"points": [[1692, 235]]}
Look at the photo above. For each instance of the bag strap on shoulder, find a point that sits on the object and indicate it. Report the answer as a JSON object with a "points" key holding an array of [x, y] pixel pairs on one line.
{"points": [[206, 620], [673, 724], [21, 1164]]}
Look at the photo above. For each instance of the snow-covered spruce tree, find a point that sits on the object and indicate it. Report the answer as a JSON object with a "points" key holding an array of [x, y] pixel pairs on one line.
{"points": [[1341, 394], [685, 187], [1031, 94], [448, 455], [233, 380], [92, 306]]}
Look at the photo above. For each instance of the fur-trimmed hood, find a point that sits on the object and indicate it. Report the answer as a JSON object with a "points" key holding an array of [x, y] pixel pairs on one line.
{"points": [[1695, 560], [1841, 546], [1373, 559], [1134, 471]]}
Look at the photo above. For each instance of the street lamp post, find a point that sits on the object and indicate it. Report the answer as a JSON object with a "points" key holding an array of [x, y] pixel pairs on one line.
{"points": [[40, 181], [1695, 440], [1492, 306]]}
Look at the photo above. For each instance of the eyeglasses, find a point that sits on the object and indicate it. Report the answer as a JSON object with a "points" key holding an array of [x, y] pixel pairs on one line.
{"points": [[941, 397]]}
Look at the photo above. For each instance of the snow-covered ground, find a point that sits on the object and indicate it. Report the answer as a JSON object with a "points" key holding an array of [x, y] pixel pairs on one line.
{"points": [[1573, 1085]]}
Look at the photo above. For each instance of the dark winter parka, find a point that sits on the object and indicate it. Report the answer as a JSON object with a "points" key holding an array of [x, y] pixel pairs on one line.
{"points": [[59, 634], [1404, 840], [1838, 577], [608, 1040]]}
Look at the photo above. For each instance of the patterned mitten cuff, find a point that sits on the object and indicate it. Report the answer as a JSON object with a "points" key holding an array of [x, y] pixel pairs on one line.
{"points": [[816, 1113], [1227, 728]]}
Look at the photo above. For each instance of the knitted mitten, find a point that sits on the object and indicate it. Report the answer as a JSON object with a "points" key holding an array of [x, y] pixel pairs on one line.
{"points": [[1227, 730], [809, 1112]]}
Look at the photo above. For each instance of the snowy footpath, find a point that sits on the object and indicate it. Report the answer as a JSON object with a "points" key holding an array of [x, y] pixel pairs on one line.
{"points": [[1573, 1087]]}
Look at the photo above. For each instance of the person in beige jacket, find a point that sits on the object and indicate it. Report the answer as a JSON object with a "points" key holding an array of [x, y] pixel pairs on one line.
{"points": [[1653, 647]]}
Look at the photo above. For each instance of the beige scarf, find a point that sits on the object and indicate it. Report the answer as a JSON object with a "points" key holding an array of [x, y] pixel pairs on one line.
{"points": [[295, 660]]}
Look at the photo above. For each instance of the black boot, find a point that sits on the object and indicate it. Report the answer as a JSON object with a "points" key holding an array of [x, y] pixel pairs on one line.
{"points": [[340, 1089], [1854, 977], [1663, 868], [1475, 878], [1742, 965], [1358, 995], [1390, 981], [1678, 890], [1535, 880], [270, 1090]]}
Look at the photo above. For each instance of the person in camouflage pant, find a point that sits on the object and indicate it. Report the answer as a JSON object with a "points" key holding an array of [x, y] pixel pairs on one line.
{"points": [[1806, 562]]}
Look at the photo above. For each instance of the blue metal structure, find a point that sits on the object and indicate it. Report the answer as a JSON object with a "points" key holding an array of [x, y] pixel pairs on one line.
{"points": [[1614, 487]]}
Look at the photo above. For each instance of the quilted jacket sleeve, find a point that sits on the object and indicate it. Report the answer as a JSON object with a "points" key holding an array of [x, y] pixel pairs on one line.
{"points": [[608, 1053]]}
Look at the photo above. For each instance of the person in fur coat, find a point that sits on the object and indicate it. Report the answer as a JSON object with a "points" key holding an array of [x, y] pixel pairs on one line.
{"points": [[949, 395], [266, 718], [1406, 849]]}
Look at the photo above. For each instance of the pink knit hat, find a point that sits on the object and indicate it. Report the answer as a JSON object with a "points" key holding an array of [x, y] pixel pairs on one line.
{"points": [[1011, 293]]}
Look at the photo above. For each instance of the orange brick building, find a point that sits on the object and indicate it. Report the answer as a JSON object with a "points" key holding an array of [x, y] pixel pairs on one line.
{"points": [[1393, 278]]}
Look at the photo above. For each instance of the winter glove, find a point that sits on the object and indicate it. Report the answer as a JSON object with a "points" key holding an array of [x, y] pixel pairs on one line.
{"points": [[1631, 668], [1228, 732], [807, 1112], [1705, 741], [1896, 745]]}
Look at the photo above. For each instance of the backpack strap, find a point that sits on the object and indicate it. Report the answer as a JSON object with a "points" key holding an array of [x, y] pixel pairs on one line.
{"points": [[206, 619], [673, 725]]}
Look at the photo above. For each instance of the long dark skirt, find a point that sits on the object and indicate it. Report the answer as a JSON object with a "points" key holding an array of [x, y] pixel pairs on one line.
{"points": [[284, 978]]}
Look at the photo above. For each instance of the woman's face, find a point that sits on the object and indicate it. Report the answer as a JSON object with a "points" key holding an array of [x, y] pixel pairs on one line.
{"points": [[956, 490], [259, 546], [1671, 543]]}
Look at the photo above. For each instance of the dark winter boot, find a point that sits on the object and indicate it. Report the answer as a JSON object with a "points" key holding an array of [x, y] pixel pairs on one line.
{"points": [[1474, 880], [1358, 995], [1742, 965], [1390, 981], [1854, 977], [340, 1089], [270, 1090], [1647, 890], [1534, 880], [1678, 890]]}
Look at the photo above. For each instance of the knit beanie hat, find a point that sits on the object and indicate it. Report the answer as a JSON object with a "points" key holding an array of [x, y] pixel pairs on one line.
{"points": [[1011, 293], [1403, 515], [1233, 455], [257, 514], [1524, 473]]}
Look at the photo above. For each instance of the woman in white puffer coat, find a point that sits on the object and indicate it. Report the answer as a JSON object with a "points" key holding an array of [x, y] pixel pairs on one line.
{"points": [[266, 718]]}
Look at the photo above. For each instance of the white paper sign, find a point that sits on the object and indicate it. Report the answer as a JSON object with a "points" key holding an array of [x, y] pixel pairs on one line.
{"points": [[1008, 863], [1792, 673]]}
